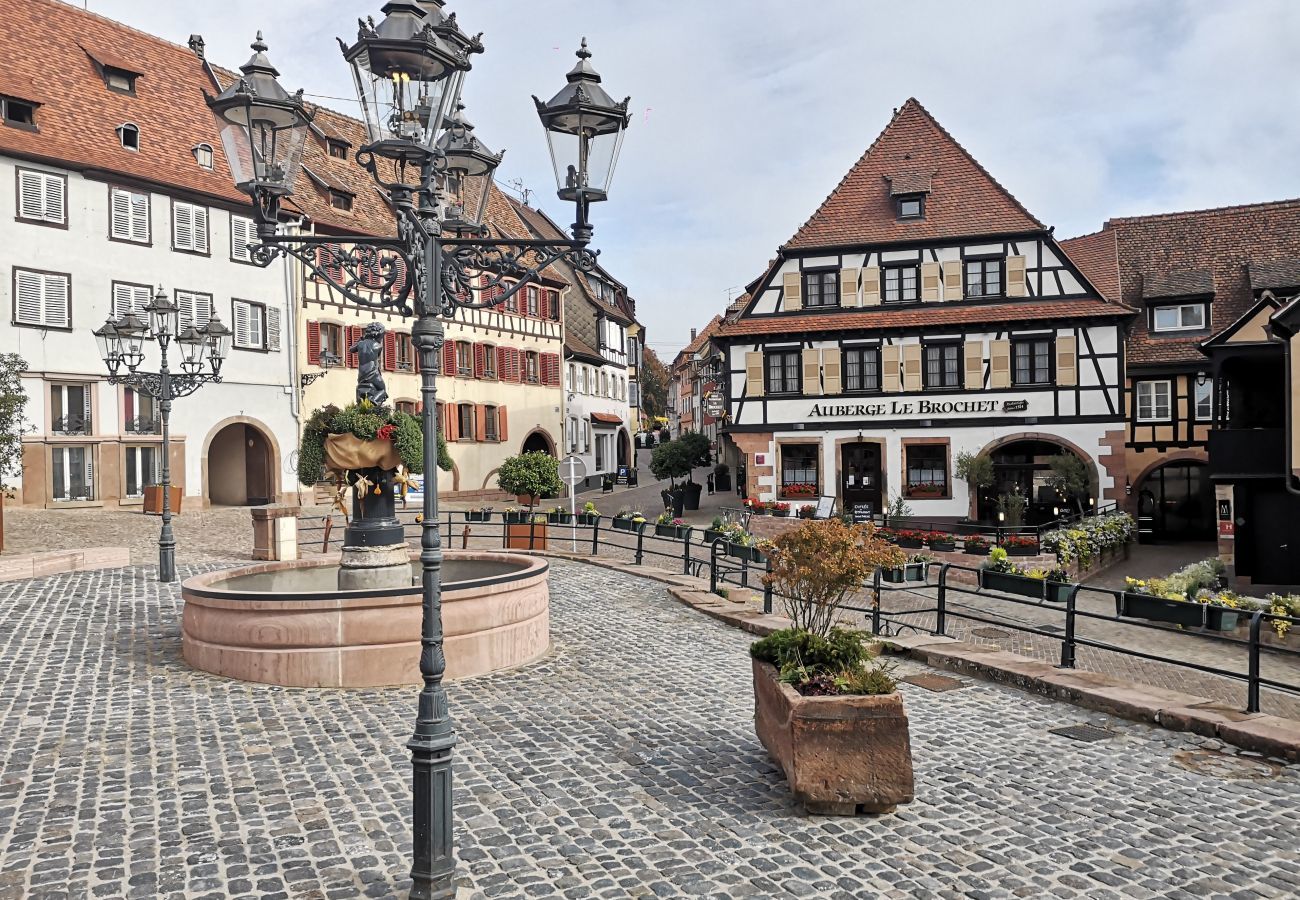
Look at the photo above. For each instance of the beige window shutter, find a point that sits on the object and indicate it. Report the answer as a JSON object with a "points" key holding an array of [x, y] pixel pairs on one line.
{"points": [[754, 374], [792, 295], [812, 371], [1067, 364], [974, 354], [912, 367], [930, 281], [849, 287], [889, 380], [952, 289], [831, 370], [871, 286], [1016, 277], [1000, 364]]}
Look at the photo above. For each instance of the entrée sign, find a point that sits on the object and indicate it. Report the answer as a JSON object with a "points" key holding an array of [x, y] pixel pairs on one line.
{"points": [[917, 408]]}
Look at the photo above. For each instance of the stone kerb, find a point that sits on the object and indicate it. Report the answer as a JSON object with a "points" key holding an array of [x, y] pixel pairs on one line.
{"points": [[57, 562]]}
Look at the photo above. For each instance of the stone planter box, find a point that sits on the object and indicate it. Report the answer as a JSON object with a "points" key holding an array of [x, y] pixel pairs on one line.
{"points": [[908, 572], [1155, 609], [672, 531], [840, 755]]}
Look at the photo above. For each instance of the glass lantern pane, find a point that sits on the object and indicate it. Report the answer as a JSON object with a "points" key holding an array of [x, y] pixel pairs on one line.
{"points": [[564, 159]]}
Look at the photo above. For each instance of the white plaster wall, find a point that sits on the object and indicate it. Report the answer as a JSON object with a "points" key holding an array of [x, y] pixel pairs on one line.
{"points": [[584, 404]]}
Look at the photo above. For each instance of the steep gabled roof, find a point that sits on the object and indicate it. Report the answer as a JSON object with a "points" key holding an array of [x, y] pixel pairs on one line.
{"points": [[1097, 257], [963, 199]]}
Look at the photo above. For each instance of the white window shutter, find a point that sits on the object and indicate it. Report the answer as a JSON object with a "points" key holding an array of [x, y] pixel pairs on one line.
{"points": [[182, 226], [121, 214], [241, 324], [56, 301], [202, 309], [31, 195], [140, 217], [54, 199], [241, 235], [200, 217], [273, 329], [31, 298], [185, 302], [123, 296]]}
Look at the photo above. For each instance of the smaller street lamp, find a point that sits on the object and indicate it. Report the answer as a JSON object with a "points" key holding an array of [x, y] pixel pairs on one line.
{"points": [[122, 341], [468, 180]]}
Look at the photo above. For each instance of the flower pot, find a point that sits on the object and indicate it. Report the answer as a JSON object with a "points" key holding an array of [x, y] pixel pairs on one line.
{"points": [[740, 551], [672, 531], [975, 549], [692, 494], [1220, 618], [622, 523], [1021, 551], [909, 543], [1058, 592], [944, 546], [1157, 609], [711, 535], [588, 518], [478, 516], [1008, 583], [526, 537], [841, 754], [722, 481], [515, 518], [906, 572], [560, 518]]}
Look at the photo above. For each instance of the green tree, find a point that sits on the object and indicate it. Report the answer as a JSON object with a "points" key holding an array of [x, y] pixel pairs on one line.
{"points": [[697, 448], [653, 377], [1072, 478], [671, 460], [13, 423], [976, 469], [532, 474]]}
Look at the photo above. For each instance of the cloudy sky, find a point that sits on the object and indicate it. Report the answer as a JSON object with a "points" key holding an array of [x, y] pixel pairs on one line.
{"points": [[748, 112]]}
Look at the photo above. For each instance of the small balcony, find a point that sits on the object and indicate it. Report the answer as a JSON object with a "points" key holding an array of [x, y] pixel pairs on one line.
{"points": [[71, 425], [1247, 453], [143, 425]]}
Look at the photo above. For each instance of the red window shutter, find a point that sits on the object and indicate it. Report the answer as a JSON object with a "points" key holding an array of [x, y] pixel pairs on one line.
{"points": [[419, 410], [390, 351], [521, 300], [453, 421], [480, 422], [503, 364], [128, 402], [313, 343], [516, 365], [501, 424], [480, 361], [399, 266], [351, 335], [449, 357], [543, 302]]}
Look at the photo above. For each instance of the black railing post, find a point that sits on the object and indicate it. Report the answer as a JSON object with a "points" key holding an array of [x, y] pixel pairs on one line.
{"points": [[767, 589], [875, 601], [595, 537], [744, 569], [1067, 642], [640, 544], [1252, 674], [713, 567], [941, 607]]}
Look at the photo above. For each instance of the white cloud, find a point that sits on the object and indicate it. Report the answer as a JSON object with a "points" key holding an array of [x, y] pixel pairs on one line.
{"points": [[748, 112]]}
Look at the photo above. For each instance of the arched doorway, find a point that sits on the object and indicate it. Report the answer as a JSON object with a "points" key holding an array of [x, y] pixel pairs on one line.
{"points": [[624, 448], [1021, 469], [1176, 502], [538, 441], [240, 466]]}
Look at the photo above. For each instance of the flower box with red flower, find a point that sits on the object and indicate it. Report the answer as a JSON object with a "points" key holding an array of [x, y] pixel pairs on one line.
{"points": [[807, 511], [1020, 545], [976, 544], [780, 509], [911, 539], [799, 489], [941, 540], [923, 490]]}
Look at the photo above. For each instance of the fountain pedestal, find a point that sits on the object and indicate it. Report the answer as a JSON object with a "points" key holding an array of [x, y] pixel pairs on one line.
{"points": [[374, 545]]}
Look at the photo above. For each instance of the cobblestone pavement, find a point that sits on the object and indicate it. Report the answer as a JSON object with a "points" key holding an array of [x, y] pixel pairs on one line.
{"points": [[202, 535], [624, 764]]}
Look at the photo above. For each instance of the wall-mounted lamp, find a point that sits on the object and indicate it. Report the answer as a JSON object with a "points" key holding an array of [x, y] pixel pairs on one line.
{"points": [[1002, 517], [1128, 488], [1202, 378]]}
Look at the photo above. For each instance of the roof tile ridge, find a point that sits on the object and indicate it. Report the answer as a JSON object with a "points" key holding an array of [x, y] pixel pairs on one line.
{"points": [[1234, 207], [866, 154], [956, 143], [82, 11]]}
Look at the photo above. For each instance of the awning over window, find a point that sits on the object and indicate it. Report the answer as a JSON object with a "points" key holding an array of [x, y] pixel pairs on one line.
{"points": [[598, 418]]}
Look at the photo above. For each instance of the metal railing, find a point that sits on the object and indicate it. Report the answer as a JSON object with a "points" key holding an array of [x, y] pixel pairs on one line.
{"points": [[943, 599]]}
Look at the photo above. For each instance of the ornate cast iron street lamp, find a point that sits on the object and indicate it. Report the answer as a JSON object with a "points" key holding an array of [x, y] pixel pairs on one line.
{"points": [[121, 345], [422, 152]]}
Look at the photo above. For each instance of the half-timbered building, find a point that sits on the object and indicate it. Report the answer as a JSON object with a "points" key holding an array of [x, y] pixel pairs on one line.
{"points": [[920, 313]]}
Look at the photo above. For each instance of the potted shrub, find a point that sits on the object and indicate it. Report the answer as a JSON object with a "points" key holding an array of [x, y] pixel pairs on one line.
{"points": [[975, 544], [530, 475], [780, 509], [721, 478], [997, 573], [672, 460], [913, 568], [1157, 600], [696, 448], [558, 515], [715, 530], [514, 516], [807, 511], [482, 514], [589, 514], [667, 525], [1020, 545], [827, 714], [941, 541], [629, 520], [911, 539]]}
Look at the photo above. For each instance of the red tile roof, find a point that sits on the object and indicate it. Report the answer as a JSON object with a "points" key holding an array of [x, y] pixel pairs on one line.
{"points": [[955, 313], [964, 200], [607, 418], [1226, 242], [1098, 259]]}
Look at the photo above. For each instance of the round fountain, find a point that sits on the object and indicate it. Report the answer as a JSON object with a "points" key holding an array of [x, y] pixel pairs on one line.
{"points": [[289, 623]]}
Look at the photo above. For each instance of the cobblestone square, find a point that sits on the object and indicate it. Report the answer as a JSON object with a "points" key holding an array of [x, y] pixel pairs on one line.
{"points": [[622, 765]]}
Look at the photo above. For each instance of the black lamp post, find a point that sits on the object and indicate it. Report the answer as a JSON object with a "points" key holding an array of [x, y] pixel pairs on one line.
{"points": [[423, 153], [121, 344]]}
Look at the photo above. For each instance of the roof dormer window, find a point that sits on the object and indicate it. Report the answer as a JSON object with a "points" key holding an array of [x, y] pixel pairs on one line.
{"points": [[911, 206], [129, 134], [18, 113], [337, 149], [203, 155], [341, 200], [120, 80], [908, 192]]}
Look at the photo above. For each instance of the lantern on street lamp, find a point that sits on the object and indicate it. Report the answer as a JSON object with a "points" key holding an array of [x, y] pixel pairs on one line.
{"points": [[164, 316], [132, 332], [110, 346], [194, 349], [468, 178], [218, 337]]}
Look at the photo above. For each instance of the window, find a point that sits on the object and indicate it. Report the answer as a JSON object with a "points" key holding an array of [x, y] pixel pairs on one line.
{"points": [[331, 344], [18, 113], [70, 408], [600, 451], [42, 197], [405, 353], [406, 406], [911, 206], [569, 377], [1181, 317], [942, 366], [1031, 362], [128, 215], [799, 470], [489, 361], [337, 149], [465, 421], [203, 155], [131, 298], [141, 466], [120, 80], [250, 324], [490, 430], [465, 359], [783, 372], [604, 384], [532, 305], [196, 309], [1204, 394], [821, 288], [242, 233], [571, 434], [531, 368], [43, 299], [139, 413], [984, 278], [927, 470], [862, 369], [634, 395], [585, 433], [902, 284], [633, 352], [341, 200], [1153, 401], [129, 134], [189, 227], [72, 473]]}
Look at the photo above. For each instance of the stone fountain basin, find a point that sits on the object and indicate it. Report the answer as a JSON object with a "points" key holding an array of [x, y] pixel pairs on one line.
{"points": [[288, 623]]}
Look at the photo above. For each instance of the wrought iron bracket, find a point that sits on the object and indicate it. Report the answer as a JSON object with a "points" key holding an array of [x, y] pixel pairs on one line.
{"points": [[164, 386]]}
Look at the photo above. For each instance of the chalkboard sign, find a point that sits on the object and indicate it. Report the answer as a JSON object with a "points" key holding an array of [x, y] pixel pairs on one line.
{"points": [[862, 513], [825, 508]]}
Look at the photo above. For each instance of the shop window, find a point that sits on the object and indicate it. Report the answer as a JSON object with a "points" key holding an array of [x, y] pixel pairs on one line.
{"points": [[72, 473], [927, 470], [799, 470], [141, 469]]}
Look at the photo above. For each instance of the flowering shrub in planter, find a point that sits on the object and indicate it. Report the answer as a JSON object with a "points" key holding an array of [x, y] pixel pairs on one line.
{"points": [[483, 514], [755, 506], [799, 489], [668, 526], [807, 511], [911, 539], [589, 514], [779, 509], [976, 544], [1085, 540], [941, 540], [1020, 545], [924, 490], [915, 568], [629, 520], [558, 515]]}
